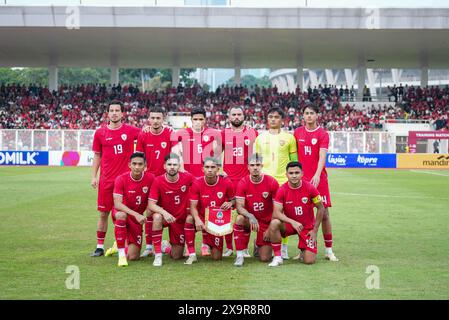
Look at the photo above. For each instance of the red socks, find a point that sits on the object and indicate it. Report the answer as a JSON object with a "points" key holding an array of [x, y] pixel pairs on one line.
{"points": [[189, 232], [228, 239], [120, 233], [327, 240], [239, 237], [157, 241], [149, 231], [100, 237], [276, 249]]}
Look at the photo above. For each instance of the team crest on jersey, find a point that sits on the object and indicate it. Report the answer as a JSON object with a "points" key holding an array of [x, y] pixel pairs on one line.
{"points": [[304, 200], [183, 188], [281, 142], [206, 138], [265, 195], [247, 142], [314, 141], [220, 195], [219, 215], [163, 144], [124, 136], [145, 189]]}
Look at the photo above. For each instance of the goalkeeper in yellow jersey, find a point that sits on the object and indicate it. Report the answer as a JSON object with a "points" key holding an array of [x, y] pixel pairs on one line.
{"points": [[277, 148]]}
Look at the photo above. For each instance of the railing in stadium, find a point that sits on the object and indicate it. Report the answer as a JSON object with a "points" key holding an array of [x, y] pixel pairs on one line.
{"points": [[81, 140]]}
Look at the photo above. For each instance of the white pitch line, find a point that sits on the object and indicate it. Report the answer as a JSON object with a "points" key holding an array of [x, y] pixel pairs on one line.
{"points": [[434, 173], [387, 196]]}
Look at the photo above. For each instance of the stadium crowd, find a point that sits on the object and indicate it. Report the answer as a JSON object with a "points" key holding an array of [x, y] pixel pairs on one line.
{"points": [[83, 106]]}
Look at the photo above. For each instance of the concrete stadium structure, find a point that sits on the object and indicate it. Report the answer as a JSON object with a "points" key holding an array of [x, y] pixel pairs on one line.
{"points": [[224, 37]]}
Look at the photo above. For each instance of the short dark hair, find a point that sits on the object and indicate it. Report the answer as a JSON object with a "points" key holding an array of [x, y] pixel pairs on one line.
{"points": [[312, 107], [293, 164], [255, 157], [197, 110], [138, 155], [213, 159], [237, 107], [117, 102], [157, 109], [172, 156], [276, 109]]}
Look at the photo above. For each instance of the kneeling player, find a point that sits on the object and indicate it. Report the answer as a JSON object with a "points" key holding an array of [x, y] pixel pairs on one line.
{"points": [[130, 202], [169, 198], [254, 200], [210, 191], [293, 214]]}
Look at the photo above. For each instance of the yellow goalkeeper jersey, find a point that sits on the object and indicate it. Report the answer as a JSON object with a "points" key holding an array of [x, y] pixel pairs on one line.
{"points": [[277, 151]]}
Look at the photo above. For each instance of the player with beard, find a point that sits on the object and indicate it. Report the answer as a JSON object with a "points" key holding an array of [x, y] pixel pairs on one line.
{"points": [[237, 145]]}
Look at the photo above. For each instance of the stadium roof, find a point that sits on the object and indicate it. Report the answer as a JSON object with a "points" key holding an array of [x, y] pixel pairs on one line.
{"points": [[224, 37]]}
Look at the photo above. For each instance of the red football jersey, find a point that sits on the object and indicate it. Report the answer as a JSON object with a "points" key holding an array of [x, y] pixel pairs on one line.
{"points": [[298, 203], [173, 196], [237, 147], [211, 195], [309, 144], [116, 147], [134, 192], [258, 196], [195, 147], [155, 147]]}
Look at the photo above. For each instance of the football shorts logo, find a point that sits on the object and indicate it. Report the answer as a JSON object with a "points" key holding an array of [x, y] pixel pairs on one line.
{"points": [[164, 144], [206, 138], [220, 195], [247, 142], [265, 195], [314, 141], [124, 136], [281, 142], [183, 188], [304, 200], [145, 189], [219, 215]]}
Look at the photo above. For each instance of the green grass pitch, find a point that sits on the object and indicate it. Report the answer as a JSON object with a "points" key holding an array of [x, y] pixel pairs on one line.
{"points": [[397, 220]]}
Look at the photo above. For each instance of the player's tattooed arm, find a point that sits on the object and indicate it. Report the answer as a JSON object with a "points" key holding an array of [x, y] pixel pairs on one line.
{"points": [[153, 207], [118, 204], [278, 213], [199, 225], [240, 204], [95, 166]]}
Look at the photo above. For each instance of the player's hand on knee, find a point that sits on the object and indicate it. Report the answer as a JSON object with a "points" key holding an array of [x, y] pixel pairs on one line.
{"points": [[266, 236], [199, 225], [312, 235], [168, 217], [297, 226], [254, 223], [141, 219]]}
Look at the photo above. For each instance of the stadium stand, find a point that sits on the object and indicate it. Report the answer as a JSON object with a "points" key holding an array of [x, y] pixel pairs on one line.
{"points": [[83, 106]]}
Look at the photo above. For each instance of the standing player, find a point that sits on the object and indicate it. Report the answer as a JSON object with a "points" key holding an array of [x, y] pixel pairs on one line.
{"points": [[210, 191], [131, 191], [169, 204], [237, 144], [254, 201], [156, 144], [197, 143], [293, 214], [313, 142], [277, 148], [113, 145]]}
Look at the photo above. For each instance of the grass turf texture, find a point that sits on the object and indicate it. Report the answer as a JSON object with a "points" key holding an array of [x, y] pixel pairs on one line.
{"points": [[397, 220]]}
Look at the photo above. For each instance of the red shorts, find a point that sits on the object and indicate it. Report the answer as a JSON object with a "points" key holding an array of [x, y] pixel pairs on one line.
{"points": [[323, 189], [105, 200], [212, 240], [176, 232], [304, 240], [259, 240], [133, 229]]}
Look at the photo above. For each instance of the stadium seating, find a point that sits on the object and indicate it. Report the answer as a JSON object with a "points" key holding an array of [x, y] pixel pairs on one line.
{"points": [[83, 106]]}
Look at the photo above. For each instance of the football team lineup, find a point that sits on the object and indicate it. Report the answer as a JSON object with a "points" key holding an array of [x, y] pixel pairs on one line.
{"points": [[269, 183]]}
